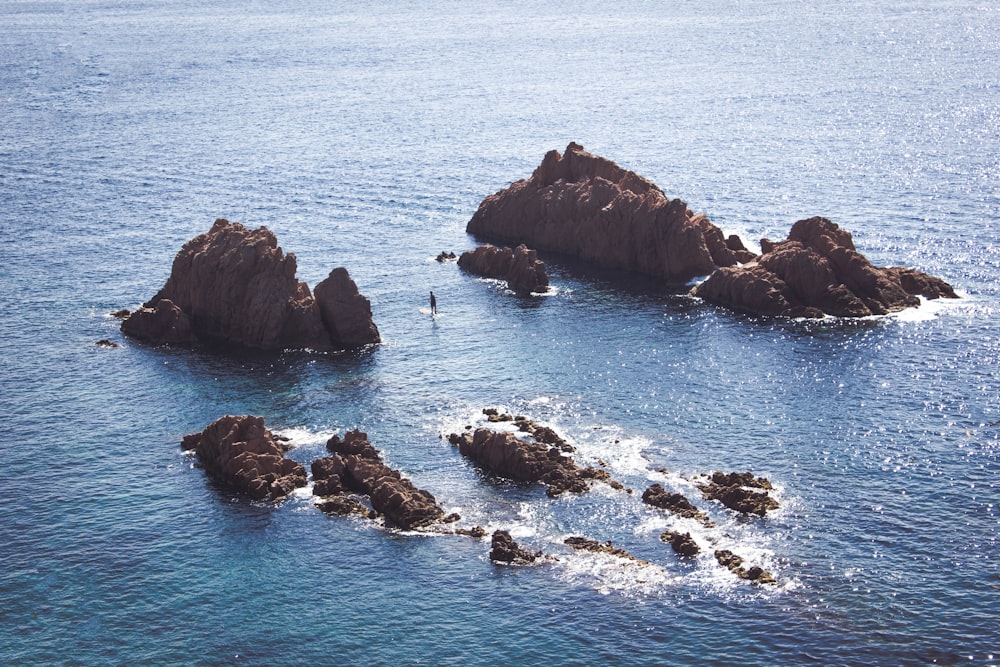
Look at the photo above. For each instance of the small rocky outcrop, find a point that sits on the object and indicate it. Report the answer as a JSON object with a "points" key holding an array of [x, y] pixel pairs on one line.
{"points": [[817, 271], [593, 546], [682, 543], [589, 207], [505, 550], [104, 342], [675, 503], [734, 564], [444, 256], [507, 455], [520, 267], [357, 467], [242, 452], [235, 285], [736, 490]]}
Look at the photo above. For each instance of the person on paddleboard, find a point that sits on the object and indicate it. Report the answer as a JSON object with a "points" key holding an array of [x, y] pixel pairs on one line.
{"points": [[434, 304]]}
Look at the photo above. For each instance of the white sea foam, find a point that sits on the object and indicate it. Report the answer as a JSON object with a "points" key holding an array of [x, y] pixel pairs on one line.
{"points": [[299, 436]]}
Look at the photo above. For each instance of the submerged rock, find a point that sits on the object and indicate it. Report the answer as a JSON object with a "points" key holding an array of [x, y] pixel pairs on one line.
{"points": [[104, 342], [817, 271], [235, 285], [589, 207], [356, 466], [241, 452], [593, 546], [731, 490], [520, 267], [505, 550]]}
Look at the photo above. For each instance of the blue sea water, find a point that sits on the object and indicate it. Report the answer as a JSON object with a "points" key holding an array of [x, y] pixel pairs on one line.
{"points": [[364, 135]]}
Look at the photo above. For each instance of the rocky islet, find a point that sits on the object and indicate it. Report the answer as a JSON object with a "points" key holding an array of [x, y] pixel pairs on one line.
{"points": [[236, 285], [587, 206]]}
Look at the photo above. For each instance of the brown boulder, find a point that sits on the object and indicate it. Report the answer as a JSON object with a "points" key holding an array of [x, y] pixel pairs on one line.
{"points": [[520, 267], [589, 207], [503, 549], [237, 286], [241, 452], [161, 322], [817, 271], [682, 543]]}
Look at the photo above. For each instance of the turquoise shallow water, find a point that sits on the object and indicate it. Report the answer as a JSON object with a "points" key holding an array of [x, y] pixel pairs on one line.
{"points": [[366, 137]]}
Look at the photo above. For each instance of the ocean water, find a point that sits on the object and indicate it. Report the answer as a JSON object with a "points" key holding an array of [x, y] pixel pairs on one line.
{"points": [[365, 135]]}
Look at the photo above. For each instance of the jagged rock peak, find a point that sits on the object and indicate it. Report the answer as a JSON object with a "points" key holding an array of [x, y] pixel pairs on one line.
{"points": [[587, 206]]}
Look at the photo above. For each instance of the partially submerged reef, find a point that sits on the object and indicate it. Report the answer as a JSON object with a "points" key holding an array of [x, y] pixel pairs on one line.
{"points": [[235, 285], [242, 454], [587, 206]]}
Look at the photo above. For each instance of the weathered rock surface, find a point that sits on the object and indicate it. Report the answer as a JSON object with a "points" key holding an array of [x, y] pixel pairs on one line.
{"points": [[682, 543], [236, 285], [525, 461], [593, 546], [346, 314], [505, 550], [732, 491], [817, 271], [734, 563], [589, 207], [675, 503], [356, 466], [241, 452], [520, 267]]}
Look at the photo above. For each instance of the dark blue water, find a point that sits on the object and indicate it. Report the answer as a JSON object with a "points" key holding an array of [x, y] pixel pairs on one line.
{"points": [[365, 136]]}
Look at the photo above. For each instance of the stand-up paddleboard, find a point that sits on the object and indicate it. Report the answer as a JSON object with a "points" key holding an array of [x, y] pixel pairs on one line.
{"points": [[425, 311]]}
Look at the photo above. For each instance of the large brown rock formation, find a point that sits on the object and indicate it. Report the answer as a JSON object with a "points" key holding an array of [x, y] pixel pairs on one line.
{"points": [[241, 452], [817, 271], [589, 207], [236, 285], [520, 267]]}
